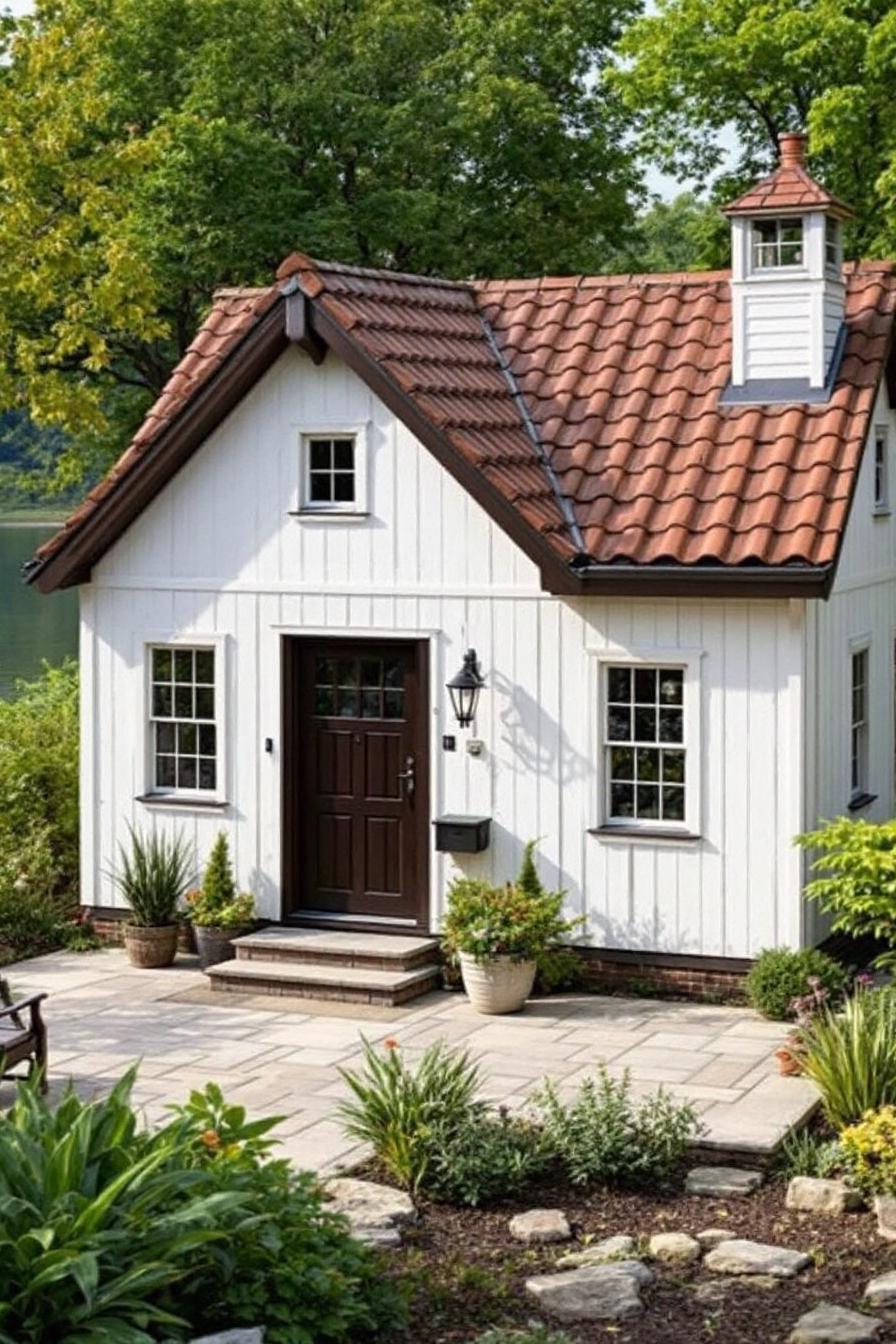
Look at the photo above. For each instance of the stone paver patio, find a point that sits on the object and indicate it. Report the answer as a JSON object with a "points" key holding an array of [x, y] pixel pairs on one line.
{"points": [[277, 1056]]}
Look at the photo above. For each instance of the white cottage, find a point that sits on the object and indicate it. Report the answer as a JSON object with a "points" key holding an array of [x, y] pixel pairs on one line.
{"points": [[657, 508]]}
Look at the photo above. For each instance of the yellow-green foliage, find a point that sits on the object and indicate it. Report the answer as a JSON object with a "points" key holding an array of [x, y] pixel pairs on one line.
{"points": [[869, 1151]]}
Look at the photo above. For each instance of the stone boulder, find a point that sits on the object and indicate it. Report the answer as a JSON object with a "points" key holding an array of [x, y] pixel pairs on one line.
{"points": [[600, 1253], [881, 1292], [752, 1257], [538, 1227], [713, 1236], [254, 1336], [674, 1248], [828, 1324], [885, 1208], [608, 1292], [376, 1213], [722, 1182], [811, 1194]]}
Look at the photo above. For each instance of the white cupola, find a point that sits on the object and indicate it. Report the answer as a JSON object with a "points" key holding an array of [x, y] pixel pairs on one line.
{"points": [[787, 293]]}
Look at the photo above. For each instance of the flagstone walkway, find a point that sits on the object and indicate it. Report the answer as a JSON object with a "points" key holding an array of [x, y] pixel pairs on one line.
{"points": [[282, 1057]]}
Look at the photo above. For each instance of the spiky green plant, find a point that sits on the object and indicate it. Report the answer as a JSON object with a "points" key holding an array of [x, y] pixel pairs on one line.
{"points": [[396, 1107], [850, 1055], [153, 876]]}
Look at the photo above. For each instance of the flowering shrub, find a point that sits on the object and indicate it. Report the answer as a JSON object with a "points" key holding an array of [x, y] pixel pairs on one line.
{"points": [[521, 920], [868, 1152]]}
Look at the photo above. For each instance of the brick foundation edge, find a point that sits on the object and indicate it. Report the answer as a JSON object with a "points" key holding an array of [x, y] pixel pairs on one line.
{"points": [[640, 974]]}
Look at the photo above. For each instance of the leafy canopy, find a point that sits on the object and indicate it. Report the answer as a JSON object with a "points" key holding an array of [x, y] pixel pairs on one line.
{"points": [[691, 68], [154, 149]]}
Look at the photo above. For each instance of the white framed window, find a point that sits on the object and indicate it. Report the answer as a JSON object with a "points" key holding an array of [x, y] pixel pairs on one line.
{"points": [[776, 243], [859, 726], [881, 469], [333, 472], [185, 692], [648, 742]]}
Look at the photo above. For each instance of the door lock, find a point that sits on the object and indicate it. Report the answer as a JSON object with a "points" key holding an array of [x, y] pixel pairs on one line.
{"points": [[407, 775]]}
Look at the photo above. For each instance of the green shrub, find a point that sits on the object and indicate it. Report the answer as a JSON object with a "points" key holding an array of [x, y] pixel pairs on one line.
{"points": [[779, 975], [39, 787], [153, 876], [217, 903], [856, 864], [851, 1055], [521, 920], [804, 1153], [603, 1137], [31, 924], [869, 1152], [111, 1235], [485, 1157], [396, 1108]]}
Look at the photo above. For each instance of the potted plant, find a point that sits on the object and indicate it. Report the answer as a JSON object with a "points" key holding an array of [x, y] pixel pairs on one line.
{"points": [[153, 876], [498, 933], [219, 913]]}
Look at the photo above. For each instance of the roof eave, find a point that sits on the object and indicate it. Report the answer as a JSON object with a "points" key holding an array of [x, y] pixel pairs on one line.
{"points": [[670, 580]]}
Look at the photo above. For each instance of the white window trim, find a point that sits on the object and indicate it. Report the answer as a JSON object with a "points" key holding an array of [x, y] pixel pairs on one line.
{"points": [[199, 797], [690, 662], [882, 502], [861, 644], [306, 508]]}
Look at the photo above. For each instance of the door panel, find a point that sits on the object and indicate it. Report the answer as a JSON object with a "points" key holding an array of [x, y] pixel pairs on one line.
{"points": [[355, 760]]}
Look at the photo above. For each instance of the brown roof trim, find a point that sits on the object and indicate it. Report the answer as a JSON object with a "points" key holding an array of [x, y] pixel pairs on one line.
{"points": [[625, 580], [239, 372], [556, 576]]}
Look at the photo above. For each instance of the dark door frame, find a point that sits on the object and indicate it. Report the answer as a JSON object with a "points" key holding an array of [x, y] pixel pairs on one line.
{"points": [[291, 646]]}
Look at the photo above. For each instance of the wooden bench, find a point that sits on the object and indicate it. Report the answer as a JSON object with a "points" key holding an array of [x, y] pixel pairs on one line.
{"points": [[22, 1041]]}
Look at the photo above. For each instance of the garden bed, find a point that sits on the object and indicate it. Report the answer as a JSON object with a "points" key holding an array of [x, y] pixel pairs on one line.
{"points": [[467, 1274]]}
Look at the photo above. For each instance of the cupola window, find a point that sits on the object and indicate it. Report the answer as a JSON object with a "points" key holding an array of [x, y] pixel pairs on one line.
{"points": [[777, 242], [831, 242]]}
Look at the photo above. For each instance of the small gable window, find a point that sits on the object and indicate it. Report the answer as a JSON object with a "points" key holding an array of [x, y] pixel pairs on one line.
{"points": [[645, 752], [881, 469], [184, 719], [777, 242], [332, 474]]}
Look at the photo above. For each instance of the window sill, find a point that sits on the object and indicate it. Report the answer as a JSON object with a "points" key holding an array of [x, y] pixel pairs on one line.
{"points": [[860, 800], [329, 515], [181, 800], [643, 833], [880, 511]]}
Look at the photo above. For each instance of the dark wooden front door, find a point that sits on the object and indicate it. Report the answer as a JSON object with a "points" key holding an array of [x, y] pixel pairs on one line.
{"points": [[356, 779]]}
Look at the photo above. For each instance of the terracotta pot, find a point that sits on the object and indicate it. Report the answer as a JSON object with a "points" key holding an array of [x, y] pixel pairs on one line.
{"points": [[788, 1062], [215, 945], [497, 986], [150, 948]]}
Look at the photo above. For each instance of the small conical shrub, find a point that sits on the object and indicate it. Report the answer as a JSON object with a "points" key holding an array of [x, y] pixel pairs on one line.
{"points": [[218, 885], [528, 880]]}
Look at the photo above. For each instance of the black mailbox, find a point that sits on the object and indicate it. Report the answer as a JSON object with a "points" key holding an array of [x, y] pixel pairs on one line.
{"points": [[462, 835]]}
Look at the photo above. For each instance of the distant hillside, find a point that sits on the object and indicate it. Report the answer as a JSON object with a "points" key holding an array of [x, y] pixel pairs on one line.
{"points": [[27, 455]]}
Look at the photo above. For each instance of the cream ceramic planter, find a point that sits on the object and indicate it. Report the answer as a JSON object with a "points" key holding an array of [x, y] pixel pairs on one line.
{"points": [[498, 986]]}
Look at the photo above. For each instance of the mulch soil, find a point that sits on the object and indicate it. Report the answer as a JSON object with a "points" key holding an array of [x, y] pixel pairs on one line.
{"points": [[468, 1275]]}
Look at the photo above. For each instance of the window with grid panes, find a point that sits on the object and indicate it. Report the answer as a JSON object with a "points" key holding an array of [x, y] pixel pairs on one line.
{"points": [[359, 688], [644, 744], [182, 717], [330, 472], [777, 242], [859, 724]]}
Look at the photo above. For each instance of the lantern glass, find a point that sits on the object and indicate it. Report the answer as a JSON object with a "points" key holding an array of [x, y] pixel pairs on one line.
{"points": [[464, 689]]}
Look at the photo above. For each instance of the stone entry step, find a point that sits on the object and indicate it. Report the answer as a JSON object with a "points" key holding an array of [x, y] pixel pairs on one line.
{"points": [[325, 964], [378, 951]]}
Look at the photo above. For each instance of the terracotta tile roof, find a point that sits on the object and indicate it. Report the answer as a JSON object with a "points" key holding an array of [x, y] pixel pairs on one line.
{"points": [[591, 405], [788, 189]]}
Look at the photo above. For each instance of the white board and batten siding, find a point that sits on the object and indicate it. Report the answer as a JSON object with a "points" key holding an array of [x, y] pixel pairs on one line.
{"points": [[859, 614], [219, 553]]}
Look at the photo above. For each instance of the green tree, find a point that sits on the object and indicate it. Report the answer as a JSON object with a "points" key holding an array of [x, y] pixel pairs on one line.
{"points": [[685, 234], [153, 149], [693, 68]]}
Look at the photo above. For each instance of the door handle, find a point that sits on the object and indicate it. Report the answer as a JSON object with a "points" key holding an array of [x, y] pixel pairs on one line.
{"points": [[407, 776]]}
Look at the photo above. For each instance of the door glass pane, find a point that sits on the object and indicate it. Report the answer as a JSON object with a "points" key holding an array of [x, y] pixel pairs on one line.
{"points": [[371, 672], [370, 705], [348, 703], [393, 673], [324, 670], [347, 672], [324, 701], [393, 704]]}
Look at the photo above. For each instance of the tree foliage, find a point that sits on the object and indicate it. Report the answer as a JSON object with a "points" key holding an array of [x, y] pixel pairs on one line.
{"points": [[153, 149], [694, 68]]}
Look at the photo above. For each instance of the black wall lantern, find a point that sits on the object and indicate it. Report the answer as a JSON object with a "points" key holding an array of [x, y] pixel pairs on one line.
{"points": [[464, 688]]}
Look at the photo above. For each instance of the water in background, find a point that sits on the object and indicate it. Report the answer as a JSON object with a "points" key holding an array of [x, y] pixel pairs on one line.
{"points": [[33, 628]]}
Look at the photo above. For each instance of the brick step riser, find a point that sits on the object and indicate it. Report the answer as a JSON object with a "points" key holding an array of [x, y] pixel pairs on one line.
{"points": [[412, 961], [382, 998]]}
